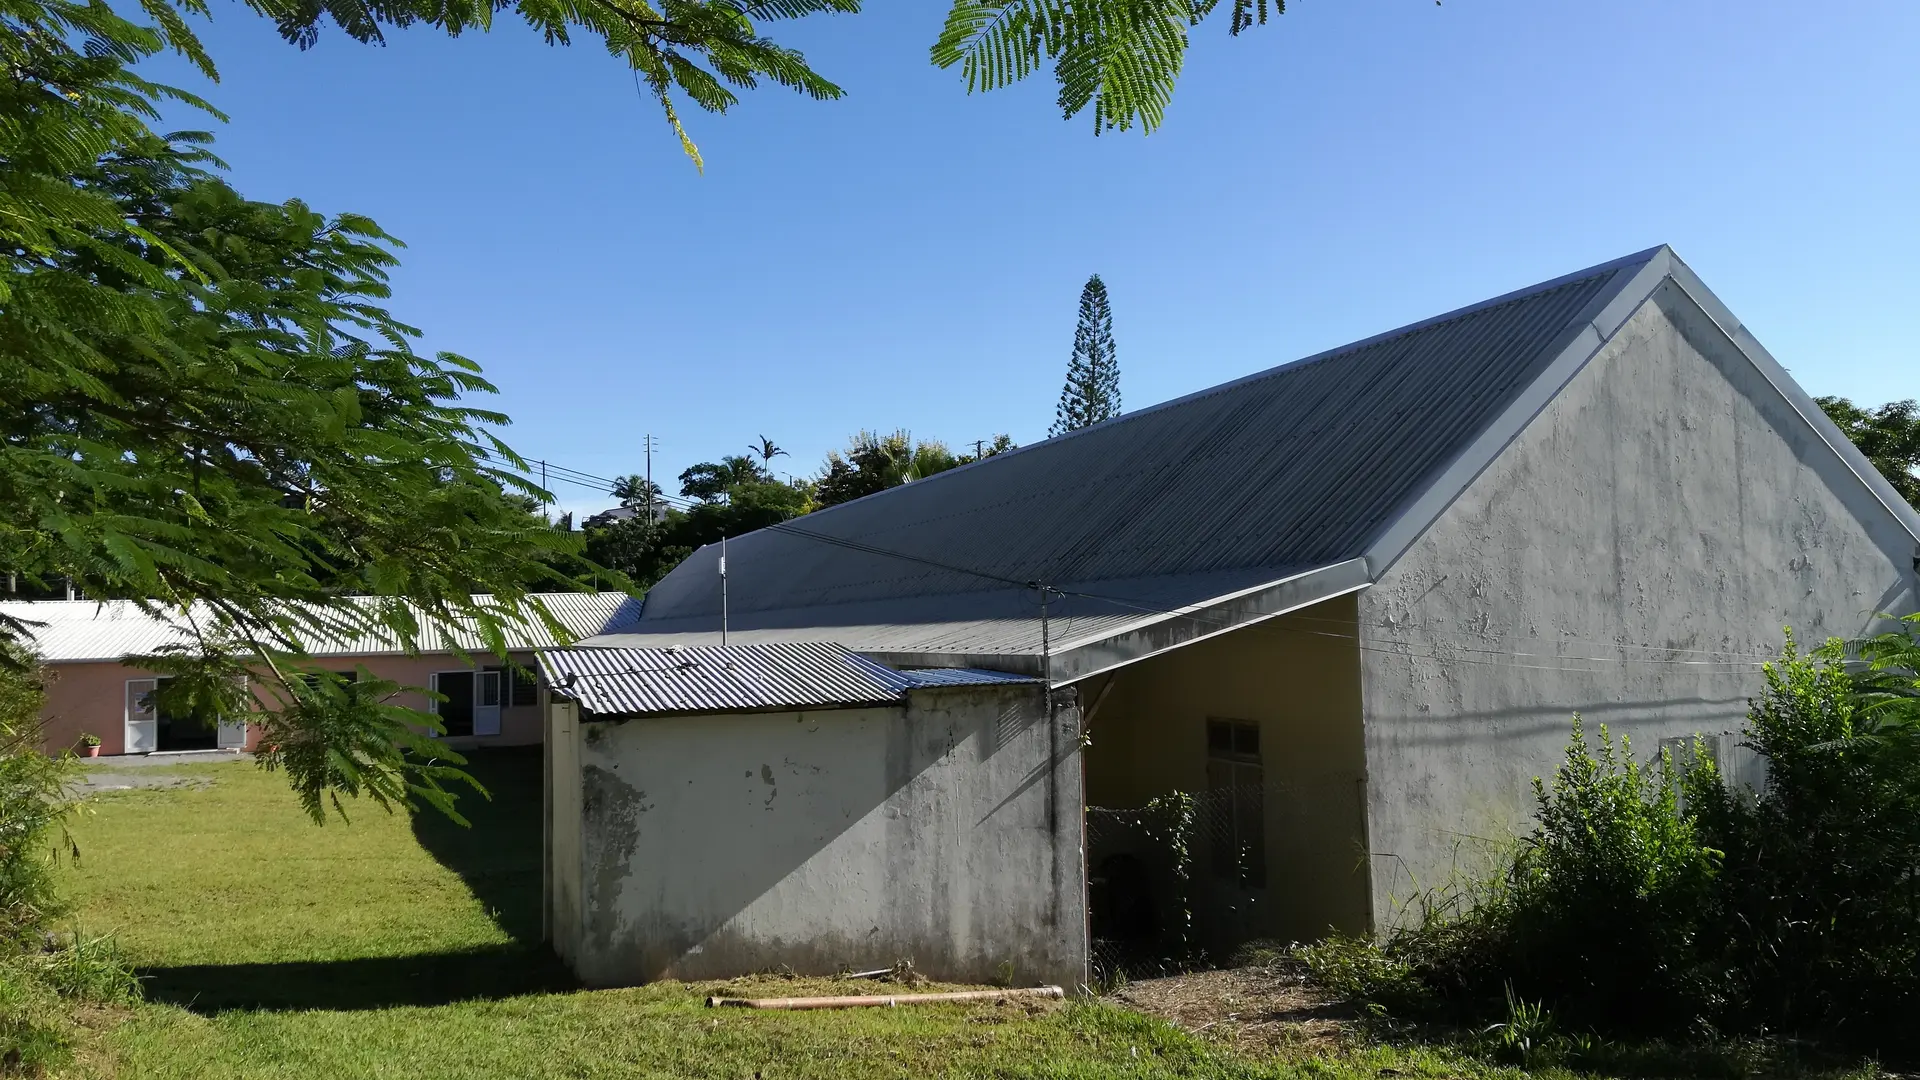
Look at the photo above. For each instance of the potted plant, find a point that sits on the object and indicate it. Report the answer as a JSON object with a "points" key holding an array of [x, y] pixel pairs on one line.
{"points": [[90, 744]]}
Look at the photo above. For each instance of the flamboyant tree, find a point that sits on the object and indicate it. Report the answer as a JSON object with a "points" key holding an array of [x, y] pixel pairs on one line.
{"points": [[210, 411]]}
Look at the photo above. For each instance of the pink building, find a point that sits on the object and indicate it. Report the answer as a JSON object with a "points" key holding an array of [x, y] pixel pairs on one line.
{"points": [[91, 692]]}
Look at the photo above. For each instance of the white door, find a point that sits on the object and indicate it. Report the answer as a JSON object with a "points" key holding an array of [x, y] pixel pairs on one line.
{"points": [[486, 703], [143, 717], [433, 703], [232, 733]]}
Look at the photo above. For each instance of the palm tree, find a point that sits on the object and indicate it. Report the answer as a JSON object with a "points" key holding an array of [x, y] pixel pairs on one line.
{"points": [[634, 490], [767, 452]]}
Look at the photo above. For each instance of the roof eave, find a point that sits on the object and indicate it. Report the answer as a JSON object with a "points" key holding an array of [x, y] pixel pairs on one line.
{"points": [[1187, 626], [1583, 340], [1796, 398]]}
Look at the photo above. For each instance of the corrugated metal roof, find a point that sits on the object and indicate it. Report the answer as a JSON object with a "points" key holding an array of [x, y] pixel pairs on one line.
{"points": [[740, 678], [89, 630], [720, 678], [919, 677], [1001, 622], [1289, 470]]}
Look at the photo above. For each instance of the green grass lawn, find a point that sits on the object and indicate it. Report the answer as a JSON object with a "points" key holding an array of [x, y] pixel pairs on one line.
{"points": [[399, 947]]}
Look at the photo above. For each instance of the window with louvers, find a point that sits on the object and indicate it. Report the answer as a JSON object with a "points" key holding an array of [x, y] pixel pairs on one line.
{"points": [[1235, 815], [522, 688]]}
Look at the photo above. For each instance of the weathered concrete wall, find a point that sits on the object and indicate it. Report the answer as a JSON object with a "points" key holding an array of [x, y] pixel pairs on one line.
{"points": [[91, 697], [561, 852], [946, 831], [1298, 677], [1631, 556]]}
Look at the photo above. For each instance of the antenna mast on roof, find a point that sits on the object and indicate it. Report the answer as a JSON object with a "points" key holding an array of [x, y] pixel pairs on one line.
{"points": [[723, 590], [650, 440]]}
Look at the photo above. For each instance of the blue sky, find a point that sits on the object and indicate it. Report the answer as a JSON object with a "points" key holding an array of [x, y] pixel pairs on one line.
{"points": [[912, 256]]}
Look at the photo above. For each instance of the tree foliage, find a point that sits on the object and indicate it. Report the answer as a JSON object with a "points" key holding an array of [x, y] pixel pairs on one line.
{"points": [[731, 496], [738, 494], [1889, 436], [1092, 391], [212, 413], [1119, 58], [718, 481], [1116, 60], [874, 462]]}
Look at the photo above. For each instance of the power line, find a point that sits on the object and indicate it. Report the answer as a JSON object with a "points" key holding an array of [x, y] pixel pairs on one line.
{"points": [[1452, 649], [1745, 660]]}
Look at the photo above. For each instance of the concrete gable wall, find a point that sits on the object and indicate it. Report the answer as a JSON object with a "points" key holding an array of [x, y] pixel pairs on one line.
{"points": [[1631, 556]]}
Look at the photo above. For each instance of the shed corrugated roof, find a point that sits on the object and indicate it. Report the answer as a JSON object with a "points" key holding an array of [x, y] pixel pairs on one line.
{"points": [[962, 677], [1285, 472], [736, 678], [74, 631]]}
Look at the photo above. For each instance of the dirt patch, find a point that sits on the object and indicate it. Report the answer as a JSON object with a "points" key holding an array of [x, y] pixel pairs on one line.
{"points": [[129, 780], [1268, 1008]]}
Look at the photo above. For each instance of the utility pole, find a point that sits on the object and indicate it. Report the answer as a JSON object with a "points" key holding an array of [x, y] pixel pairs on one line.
{"points": [[544, 487], [723, 590], [978, 444]]}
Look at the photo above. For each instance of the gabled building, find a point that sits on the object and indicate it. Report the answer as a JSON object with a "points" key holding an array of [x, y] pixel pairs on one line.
{"points": [[1353, 602]]}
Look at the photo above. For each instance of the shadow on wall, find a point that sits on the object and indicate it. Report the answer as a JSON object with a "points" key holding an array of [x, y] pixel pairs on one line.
{"points": [[498, 858]]}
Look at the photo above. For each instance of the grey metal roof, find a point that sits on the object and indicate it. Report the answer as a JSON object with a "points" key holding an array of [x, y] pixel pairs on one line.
{"points": [[78, 631], [1230, 505], [1272, 475], [736, 678]]}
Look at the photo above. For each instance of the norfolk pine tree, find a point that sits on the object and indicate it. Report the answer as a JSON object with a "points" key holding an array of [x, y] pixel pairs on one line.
{"points": [[1092, 393]]}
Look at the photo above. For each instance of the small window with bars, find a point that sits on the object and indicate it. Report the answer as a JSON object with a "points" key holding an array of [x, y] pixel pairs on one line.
{"points": [[1235, 815]]}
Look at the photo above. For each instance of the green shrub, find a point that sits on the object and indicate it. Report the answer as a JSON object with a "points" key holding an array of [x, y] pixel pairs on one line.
{"points": [[33, 805], [40, 976], [1606, 901], [1657, 901], [1818, 924]]}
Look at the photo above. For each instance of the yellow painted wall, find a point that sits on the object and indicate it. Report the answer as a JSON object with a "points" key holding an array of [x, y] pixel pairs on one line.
{"points": [[1298, 678]]}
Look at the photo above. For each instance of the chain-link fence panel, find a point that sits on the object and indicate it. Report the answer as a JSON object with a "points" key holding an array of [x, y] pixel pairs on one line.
{"points": [[1172, 881]]}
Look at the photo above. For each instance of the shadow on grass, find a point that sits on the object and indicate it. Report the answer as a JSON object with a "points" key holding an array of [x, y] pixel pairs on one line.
{"points": [[498, 858], [365, 983]]}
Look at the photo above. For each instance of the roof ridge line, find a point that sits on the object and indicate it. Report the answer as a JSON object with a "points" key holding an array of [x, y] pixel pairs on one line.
{"points": [[1611, 265]]}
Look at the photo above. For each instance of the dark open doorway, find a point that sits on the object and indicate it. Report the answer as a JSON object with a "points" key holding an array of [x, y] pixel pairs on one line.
{"points": [[456, 712], [189, 730]]}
